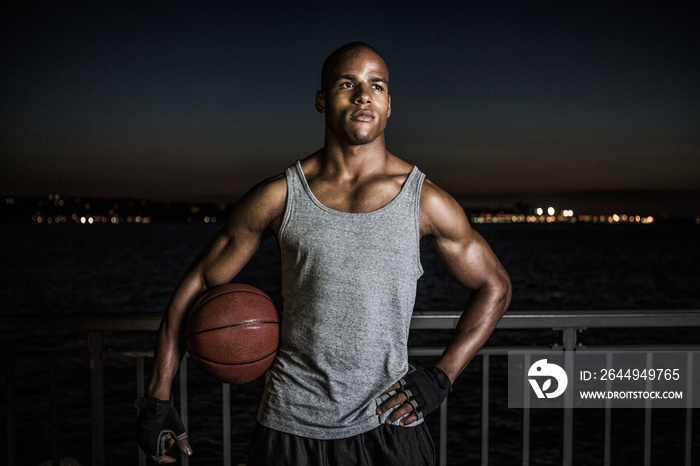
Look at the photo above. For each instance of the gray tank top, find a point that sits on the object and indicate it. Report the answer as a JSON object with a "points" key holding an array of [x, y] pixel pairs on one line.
{"points": [[348, 288]]}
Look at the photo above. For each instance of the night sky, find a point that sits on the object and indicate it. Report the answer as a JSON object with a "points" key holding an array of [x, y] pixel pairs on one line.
{"points": [[495, 101]]}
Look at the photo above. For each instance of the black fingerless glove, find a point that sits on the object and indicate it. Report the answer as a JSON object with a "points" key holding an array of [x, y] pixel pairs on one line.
{"points": [[425, 389], [156, 419]]}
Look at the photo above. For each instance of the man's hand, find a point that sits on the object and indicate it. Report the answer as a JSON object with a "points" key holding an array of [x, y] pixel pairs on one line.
{"points": [[416, 394], [158, 427]]}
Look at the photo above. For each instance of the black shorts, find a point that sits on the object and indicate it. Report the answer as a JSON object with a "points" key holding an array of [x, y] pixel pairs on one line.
{"points": [[384, 446]]}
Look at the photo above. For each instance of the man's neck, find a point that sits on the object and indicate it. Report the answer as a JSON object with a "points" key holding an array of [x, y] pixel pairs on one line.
{"points": [[354, 161]]}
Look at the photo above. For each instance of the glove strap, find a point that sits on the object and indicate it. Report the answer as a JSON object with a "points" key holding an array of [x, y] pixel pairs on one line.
{"points": [[442, 379]]}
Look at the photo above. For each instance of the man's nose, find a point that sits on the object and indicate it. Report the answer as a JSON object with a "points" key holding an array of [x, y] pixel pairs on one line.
{"points": [[362, 94]]}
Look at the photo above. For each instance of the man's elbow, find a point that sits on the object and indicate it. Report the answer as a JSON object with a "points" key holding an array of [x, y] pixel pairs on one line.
{"points": [[502, 291]]}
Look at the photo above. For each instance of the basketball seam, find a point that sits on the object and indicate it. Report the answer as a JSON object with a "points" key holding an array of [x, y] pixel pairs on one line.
{"points": [[201, 305], [235, 291], [230, 363], [232, 325]]}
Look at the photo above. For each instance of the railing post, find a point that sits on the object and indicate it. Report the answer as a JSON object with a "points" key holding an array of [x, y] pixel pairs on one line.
{"points": [[54, 413], [525, 461], [184, 404], [647, 416], [689, 410], [140, 392], [443, 433], [485, 401], [608, 416], [11, 434], [94, 340], [569, 341], [226, 421]]}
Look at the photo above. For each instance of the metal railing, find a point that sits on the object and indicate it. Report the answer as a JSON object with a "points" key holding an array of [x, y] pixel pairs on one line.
{"points": [[568, 323]]}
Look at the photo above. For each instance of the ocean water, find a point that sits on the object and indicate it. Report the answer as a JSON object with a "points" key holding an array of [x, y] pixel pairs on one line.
{"points": [[134, 268]]}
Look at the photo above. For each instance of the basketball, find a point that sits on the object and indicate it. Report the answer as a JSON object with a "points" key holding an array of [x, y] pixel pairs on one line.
{"points": [[232, 333]]}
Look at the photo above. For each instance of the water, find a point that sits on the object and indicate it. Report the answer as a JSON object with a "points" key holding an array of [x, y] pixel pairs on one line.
{"points": [[133, 268]]}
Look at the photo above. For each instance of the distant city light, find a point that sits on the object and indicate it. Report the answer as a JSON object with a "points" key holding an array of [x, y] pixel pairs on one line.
{"points": [[566, 216], [88, 212]]}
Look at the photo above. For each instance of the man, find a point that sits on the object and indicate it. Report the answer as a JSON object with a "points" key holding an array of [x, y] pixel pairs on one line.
{"points": [[348, 219]]}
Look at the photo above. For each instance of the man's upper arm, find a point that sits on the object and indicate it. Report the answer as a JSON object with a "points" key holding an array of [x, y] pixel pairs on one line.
{"points": [[463, 251], [260, 210]]}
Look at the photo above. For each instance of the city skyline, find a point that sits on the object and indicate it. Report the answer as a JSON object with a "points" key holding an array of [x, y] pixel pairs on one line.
{"points": [[58, 209], [505, 102]]}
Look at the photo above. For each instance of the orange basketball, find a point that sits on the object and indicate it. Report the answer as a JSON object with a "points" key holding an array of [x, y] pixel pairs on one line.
{"points": [[232, 333]]}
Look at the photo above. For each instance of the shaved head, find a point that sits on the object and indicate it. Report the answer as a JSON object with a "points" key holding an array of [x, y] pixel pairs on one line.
{"points": [[337, 57]]}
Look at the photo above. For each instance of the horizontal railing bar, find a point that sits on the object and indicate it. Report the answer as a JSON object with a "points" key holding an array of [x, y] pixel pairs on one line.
{"points": [[413, 350], [420, 351], [110, 353], [492, 351], [569, 319], [420, 320], [640, 348], [503, 351]]}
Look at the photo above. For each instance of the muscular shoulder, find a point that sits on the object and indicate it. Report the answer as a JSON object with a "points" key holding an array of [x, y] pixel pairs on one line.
{"points": [[262, 207], [441, 216]]}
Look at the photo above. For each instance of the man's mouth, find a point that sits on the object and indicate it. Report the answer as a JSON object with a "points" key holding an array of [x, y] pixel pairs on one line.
{"points": [[362, 115]]}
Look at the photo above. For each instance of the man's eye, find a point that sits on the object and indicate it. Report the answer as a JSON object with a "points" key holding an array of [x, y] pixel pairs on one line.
{"points": [[379, 87], [346, 85]]}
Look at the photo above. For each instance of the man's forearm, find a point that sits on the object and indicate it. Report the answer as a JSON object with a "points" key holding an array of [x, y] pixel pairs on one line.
{"points": [[170, 347], [168, 355], [484, 309]]}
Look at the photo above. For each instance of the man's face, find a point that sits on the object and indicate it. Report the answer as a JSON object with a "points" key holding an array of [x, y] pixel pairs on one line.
{"points": [[356, 100]]}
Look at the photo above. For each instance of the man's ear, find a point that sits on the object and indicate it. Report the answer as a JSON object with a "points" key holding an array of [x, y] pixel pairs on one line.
{"points": [[388, 112], [320, 102]]}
